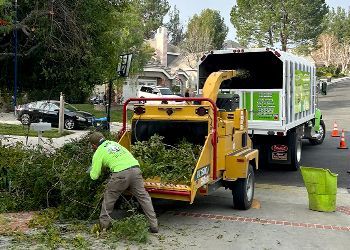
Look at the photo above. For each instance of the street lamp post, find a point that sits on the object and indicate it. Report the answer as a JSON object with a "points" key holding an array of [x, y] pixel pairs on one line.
{"points": [[123, 69], [15, 60]]}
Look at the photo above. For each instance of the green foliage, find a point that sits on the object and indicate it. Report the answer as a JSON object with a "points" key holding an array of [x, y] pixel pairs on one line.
{"points": [[70, 46], [58, 184], [5, 101], [132, 228], [264, 23], [152, 14], [44, 218], [330, 71], [78, 235], [173, 164], [39, 179], [337, 22], [208, 24], [175, 89], [175, 28], [53, 237]]}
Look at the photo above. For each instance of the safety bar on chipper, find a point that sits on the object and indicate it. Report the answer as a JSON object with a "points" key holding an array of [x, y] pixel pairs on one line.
{"points": [[214, 128]]}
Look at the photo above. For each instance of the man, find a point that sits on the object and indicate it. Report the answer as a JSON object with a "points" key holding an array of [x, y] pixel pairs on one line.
{"points": [[126, 174]]}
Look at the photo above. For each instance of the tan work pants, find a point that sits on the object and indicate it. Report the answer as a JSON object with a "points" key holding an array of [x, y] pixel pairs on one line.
{"points": [[130, 178]]}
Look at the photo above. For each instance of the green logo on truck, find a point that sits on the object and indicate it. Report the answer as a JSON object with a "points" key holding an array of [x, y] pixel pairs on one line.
{"points": [[302, 91], [265, 105]]}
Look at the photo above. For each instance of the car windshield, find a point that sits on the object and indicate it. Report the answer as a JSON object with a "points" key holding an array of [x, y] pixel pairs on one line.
{"points": [[166, 91]]}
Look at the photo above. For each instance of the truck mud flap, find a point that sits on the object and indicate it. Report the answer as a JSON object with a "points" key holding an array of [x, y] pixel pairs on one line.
{"points": [[273, 150]]}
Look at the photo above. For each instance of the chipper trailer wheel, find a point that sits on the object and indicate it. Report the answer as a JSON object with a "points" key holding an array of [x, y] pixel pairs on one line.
{"points": [[243, 191]]}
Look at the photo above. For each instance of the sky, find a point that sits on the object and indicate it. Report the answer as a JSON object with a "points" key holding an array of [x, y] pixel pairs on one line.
{"points": [[188, 8]]}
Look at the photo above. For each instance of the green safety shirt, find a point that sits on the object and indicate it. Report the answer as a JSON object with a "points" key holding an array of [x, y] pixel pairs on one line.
{"points": [[113, 155]]}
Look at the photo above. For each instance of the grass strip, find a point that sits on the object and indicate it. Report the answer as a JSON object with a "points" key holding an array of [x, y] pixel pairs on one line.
{"points": [[21, 130]]}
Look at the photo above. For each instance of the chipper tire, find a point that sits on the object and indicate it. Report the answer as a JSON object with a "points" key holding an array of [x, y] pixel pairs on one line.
{"points": [[243, 191]]}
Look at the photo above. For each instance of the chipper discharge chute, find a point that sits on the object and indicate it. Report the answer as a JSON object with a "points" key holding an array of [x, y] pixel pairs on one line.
{"points": [[227, 158]]}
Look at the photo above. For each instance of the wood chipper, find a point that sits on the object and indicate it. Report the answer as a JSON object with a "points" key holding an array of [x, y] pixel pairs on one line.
{"points": [[227, 158]]}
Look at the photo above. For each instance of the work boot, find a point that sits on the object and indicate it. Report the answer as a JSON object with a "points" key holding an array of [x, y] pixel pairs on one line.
{"points": [[153, 230]]}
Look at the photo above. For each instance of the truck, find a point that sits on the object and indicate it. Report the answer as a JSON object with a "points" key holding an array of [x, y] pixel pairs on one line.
{"points": [[279, 92], [227, 158]]}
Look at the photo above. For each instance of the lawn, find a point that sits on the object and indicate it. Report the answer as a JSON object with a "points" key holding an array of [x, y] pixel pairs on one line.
{"points": [[9, 129], [116, 112]]}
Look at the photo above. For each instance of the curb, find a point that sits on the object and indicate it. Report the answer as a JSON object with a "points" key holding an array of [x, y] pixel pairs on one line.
{"points": [[337, 80]]}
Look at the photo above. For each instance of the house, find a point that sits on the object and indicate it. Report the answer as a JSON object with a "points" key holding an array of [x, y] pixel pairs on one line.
{"points": [[166, 68]]}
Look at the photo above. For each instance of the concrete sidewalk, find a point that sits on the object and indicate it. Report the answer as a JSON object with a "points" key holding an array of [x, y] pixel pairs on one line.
{"points": [[337, 80], [47, 143], [280, 220]]}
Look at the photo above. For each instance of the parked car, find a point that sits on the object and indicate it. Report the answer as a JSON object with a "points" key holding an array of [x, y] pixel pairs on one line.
{"points": [[156, 91], [48, 111], [96, 100]]}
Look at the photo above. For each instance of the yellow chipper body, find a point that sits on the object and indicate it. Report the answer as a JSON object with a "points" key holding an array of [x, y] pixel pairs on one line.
{"points": [[227, 158]]}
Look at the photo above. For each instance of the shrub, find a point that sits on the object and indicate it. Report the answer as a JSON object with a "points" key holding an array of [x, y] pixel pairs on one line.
{"points": [[37, 179], [330, 71]]}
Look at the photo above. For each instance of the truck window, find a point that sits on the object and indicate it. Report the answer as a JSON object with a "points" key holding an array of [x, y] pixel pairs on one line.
{"points": [[257, 70]]}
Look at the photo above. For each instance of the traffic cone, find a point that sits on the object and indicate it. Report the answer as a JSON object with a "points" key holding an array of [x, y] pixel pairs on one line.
{"points": [[342, 141], [335, 132]]}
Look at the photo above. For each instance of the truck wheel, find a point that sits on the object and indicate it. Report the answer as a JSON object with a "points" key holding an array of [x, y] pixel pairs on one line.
{"points": [[319, 137], [243, 191], [295, 143], [69, 124], [25, 119]]}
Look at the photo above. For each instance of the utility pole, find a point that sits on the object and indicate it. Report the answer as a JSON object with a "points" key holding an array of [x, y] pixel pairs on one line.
{"points": [[110, 85], [15, 60], [61, 114]]}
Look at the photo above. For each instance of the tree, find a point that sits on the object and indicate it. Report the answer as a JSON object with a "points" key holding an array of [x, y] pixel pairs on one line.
{"points": [[326, 52], [334, 43], [338, 25], [152, 13], [204, 32], [70, 46], [175, 28], [266, 22]]}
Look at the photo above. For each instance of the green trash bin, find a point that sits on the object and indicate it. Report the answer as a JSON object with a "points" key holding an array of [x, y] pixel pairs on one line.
{"points": [[321, 185]]}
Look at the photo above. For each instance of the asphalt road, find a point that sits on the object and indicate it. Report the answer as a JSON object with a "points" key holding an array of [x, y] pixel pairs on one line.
{"points": [[335, 106]]}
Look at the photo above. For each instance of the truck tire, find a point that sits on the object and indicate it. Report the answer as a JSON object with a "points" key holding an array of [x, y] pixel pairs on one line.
{"points": [[25, 119], [320, 136], [295, 150], [243, 191]]}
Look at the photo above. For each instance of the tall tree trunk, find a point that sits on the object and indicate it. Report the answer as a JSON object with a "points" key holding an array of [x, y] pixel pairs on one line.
{"points": [[284, 38], [271, 37]]}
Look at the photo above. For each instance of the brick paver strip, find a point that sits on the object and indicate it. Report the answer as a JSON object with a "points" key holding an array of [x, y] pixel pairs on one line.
{"points": [[265, 221], [18, 222], [344, 210]]}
